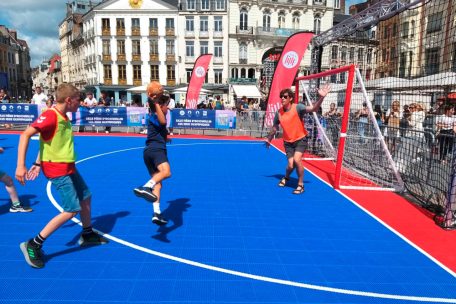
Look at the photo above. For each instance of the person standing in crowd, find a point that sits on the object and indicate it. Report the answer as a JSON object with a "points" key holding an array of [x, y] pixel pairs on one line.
{"points": [[16, 205], [446, 130], [171, 105], [4, 97], [289, 117], [332, 117], [155, 153], [90, 101], [105, 101], [39, 98], [57, 160]]}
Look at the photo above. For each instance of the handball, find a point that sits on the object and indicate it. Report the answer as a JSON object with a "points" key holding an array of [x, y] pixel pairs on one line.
{"points": [[154, 89]]}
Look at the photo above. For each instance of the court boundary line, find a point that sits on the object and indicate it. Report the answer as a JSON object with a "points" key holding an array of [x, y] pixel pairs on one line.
{"points": [[258, 277]]}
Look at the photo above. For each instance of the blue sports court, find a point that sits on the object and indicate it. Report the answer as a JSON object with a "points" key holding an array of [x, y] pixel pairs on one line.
{"points": [[233, 235]]}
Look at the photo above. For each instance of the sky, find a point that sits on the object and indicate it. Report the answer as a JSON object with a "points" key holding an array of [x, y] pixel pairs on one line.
{"points": [[37, 22]]}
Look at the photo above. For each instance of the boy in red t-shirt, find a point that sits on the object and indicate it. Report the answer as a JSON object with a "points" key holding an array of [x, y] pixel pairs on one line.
{"points": [[57, 160]]}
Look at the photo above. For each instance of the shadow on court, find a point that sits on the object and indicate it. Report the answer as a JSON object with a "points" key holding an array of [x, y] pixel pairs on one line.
{"points": [[26, 200], [173, 213], [104, 223]]}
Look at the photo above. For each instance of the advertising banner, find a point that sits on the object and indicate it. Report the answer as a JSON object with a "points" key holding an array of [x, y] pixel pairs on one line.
{"points": [[225, 119], [136, 116], [100, 116], [285, 72], [18, 113], [197, 80], [193, 119]]}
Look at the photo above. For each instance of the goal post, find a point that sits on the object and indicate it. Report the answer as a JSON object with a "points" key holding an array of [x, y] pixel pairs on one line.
{"points": [[347, 132]]}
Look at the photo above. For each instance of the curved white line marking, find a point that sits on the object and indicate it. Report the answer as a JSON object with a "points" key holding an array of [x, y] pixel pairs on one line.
{"points": [[243, 274]]}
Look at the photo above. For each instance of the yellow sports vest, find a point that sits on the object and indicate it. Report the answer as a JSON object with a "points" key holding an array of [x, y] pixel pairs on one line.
{"points": [[292, 125], [60, 148]]}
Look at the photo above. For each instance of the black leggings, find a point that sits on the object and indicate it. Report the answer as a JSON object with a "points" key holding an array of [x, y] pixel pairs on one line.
{"points": [[446, 141]]}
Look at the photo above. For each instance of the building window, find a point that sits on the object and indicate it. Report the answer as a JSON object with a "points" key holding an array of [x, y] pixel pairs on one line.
{"points": [[153, 23], [189, 24], [343, 53], [204, 24], [154, 75], [243, 51], [360, 55], [317, 24], [218, 49], [281, 19], [405, 30], [204, 47], [135, 23], [432, 61], [169, 23], [189, 48], [218, 74], [205, 5], [188, 72], [337, 4], [219, 5], [106, 47], [434, 22], [402, 64], [122, 72], [334, 52], [120, 23], [218, 24], [136, 47], [136, 72], [369, 56], [170, 72], [267, 20], [105, 25], [154, 47], [243, 20], [394, 29], [120, 47], [296, 21], [169, 47], [107, 71], [351, 54], [412, 30], [191, 4]]}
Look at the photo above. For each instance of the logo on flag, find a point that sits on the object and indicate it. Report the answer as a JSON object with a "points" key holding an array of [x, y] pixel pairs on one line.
{"points": [[290, 60], [200, 72]]}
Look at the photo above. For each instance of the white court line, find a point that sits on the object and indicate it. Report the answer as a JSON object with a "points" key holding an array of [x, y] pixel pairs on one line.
{"points": [[252, 276]]}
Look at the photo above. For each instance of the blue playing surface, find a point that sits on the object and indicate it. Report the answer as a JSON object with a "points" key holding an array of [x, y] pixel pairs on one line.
{"points": [[233, 235]]}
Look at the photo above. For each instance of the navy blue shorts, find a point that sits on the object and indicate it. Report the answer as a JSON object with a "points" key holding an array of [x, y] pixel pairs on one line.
{"points": [[153, 158]]}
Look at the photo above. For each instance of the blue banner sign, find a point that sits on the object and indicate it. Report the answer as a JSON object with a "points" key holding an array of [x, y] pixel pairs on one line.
{"points": [[18, 113], [193, 119], [100, 116]]}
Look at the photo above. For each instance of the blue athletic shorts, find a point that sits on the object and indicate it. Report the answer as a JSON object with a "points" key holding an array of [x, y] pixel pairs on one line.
{"points": [[72, 190], [153, 158]]}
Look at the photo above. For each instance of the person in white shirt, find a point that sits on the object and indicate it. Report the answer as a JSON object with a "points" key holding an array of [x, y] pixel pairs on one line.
{"points": [[171, 105], [90, 101], [39, 98]]}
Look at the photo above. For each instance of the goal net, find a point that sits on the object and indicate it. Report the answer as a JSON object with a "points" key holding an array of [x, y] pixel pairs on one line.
{"points": [[348, 130]]}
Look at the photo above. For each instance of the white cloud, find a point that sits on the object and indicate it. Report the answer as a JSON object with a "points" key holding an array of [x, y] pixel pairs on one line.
{"points": [[36, 22]]}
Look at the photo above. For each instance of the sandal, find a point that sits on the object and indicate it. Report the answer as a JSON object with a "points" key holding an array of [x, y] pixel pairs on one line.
{"points": [[283, 181], [299, 189]]}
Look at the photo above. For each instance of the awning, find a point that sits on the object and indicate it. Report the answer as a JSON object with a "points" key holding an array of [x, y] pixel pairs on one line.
{"points": [[246, 90]]}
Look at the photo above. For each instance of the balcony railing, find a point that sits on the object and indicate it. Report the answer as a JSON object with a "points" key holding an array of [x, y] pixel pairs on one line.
{"points": [[136, 57], [189, 34], [204, 34], [170, 57], [106, 57], [274, 31], [245, 30], [243, 80], [153, 57], [120, 32], [169, 31], [319, 2], [121, 57], [135, 31], [170, 82], [243, 61], [136, 82], [122, 81], [153, 31], [106, 31], [218, 59], [108, 81], [218, 34]]}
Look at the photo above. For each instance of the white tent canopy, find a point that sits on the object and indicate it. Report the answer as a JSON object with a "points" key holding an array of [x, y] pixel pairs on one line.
{"points": [[184, 90], [246, 90], [387, 83], [140, 89]]}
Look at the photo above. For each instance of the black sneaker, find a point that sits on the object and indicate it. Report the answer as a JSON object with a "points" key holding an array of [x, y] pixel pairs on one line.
{"points": [[33, 255], [91, 239], [159, 220], [145, 193], [20, 208]]}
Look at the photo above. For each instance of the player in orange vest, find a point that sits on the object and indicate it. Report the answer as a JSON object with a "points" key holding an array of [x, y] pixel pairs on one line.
{"points": [[289, 117]]}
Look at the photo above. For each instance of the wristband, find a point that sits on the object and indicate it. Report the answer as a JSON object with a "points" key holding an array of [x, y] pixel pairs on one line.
{"points": [[37, 164]]}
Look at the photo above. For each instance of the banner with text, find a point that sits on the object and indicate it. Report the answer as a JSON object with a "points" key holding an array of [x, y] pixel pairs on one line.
{"points": [[18, 113], [197, 80]]}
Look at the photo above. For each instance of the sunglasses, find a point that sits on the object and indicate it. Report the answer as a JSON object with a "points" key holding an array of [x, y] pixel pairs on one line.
{"points": [[284, 96]]}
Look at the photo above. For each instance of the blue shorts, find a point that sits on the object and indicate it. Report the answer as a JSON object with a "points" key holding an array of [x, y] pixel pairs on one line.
{"points": [[153, 158], [72, 190]]}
